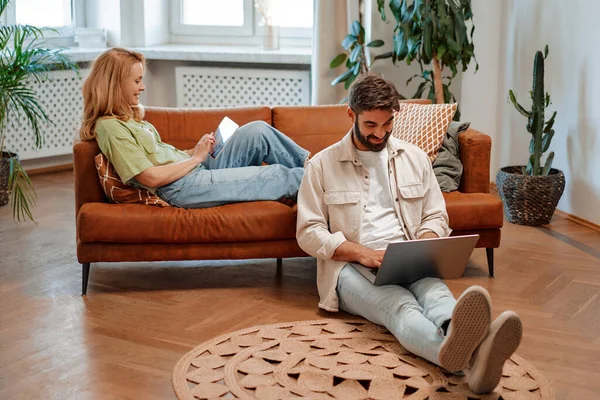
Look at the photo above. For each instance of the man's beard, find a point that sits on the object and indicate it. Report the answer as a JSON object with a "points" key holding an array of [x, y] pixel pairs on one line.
{"points": [[365, 139]]}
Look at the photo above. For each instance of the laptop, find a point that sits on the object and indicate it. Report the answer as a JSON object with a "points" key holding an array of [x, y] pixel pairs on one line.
{"points": [[406, 262]]}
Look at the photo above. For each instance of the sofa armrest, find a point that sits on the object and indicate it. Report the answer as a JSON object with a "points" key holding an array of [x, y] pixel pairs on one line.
{"points": [[475, 153], [87, 184]]}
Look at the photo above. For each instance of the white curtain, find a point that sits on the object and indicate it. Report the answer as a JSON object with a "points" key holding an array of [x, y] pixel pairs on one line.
{"points": [[331, 25]]}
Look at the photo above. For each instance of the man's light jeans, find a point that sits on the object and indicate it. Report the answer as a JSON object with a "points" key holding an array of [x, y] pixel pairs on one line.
{"points": [[414, 313], [237, 175]]}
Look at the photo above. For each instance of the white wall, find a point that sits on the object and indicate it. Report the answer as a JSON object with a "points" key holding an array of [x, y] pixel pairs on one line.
{"points": [[507, 35]]}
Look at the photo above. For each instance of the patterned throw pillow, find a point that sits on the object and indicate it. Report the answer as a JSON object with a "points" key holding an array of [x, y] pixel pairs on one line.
{"points": [[424, 125], [118, 192]]}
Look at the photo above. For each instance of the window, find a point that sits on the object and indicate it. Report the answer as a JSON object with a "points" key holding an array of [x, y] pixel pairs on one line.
{"points": [[209, 17], [48, 13], [54, 13], [233, 20]]}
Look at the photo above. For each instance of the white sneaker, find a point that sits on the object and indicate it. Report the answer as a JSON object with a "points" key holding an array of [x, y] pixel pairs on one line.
{"points": [[469, 326], [501, 343]]}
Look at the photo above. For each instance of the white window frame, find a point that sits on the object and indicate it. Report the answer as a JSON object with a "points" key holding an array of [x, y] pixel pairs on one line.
{"points": [[77, 18], [250, 33], [178, 28]]}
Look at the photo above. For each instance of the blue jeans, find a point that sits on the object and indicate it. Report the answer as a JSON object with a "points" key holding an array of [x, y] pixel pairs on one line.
{"points": [[414, 313], [236, 175]]}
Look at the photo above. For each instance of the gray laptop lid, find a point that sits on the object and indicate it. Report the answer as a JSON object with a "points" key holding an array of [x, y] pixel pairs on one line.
{"points": [[409, 261]]}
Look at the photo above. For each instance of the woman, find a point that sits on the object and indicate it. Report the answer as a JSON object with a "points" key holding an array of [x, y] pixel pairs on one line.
{"points": [[191, 178]]}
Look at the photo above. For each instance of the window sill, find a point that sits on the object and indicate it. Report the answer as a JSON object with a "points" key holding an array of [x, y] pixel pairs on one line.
{"points": [[206, 53]]}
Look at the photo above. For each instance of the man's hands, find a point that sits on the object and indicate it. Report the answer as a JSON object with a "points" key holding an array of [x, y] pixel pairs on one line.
{"points": [[354, 252], [203, 147], [429, 235], [371, 258]]}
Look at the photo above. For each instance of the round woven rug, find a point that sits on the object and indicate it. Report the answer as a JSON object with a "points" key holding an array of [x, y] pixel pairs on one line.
{"points": [[331, 359]]}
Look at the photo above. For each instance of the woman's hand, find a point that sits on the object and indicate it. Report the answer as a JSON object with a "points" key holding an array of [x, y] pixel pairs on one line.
{"points": [[203, 147]]}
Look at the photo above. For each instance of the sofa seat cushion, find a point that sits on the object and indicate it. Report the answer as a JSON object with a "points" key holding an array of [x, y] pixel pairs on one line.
{"points": [[135, 223], [468, 211]]}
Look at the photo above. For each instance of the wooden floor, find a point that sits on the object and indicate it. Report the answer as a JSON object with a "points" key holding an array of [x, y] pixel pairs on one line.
{"points": [[123, 339]]}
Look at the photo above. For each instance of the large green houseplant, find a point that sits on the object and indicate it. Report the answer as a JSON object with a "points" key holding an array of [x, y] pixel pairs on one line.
{"points": [[24, 58], [435, 34], [531, 193]]}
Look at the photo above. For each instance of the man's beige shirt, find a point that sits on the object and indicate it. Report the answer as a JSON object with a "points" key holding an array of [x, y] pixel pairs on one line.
{"points": [[334, 193]]}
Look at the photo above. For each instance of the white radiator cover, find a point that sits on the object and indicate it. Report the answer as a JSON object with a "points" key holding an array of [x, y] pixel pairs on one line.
{"points": [[207, 87], [197, 87], [61, 98]]}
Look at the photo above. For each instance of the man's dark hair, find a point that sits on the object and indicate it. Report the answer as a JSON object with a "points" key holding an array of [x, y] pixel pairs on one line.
{"points": [[372, 92]]}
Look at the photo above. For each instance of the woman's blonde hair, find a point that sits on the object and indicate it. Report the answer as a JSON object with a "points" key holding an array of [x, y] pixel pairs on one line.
{"points": [[103, 90]]}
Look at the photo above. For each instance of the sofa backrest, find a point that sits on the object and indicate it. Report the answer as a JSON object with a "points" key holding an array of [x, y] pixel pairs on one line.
{"points": [[183, 127], [312, 127], [317, 127]]}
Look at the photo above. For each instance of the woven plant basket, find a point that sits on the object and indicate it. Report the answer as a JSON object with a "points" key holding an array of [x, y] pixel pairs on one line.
{"points": [[529, 200], [4, 172]]}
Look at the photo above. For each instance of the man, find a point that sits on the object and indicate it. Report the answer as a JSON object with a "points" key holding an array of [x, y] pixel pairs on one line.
{"points": [[369, 190]]}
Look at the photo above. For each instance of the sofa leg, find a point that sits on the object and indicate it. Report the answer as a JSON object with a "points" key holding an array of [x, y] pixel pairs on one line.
{"points": [[85, 274], [279, 263], [490, 259]]}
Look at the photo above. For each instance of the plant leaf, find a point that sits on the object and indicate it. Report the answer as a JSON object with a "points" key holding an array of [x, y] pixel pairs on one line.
{"points": [[427, 52], [376, 43], [341, 78], [550, 123], [531, 145], [548, 164], [348, 41], [23, 194], [349, 81], [356, 53], [381, 9], [546, 140], [357, 29], [383, 56], [519, 107], [420, 89], [529, 168], [337, 61]]}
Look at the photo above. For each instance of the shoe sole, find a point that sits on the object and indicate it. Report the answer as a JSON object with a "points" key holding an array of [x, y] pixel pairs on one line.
{"points": [[504, 343], [471, 320]]}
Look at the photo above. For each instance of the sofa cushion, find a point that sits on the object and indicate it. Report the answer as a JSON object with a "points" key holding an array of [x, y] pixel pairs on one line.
{"points": [[423, 125], [118, 192], [473, 210], [135, 223]]}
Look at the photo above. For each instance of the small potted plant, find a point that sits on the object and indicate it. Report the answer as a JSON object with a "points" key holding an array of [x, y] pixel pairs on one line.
{"points": [[531, 193], [24, 59]]}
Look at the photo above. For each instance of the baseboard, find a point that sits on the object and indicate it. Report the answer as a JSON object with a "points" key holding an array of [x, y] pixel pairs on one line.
{"points": [[49, 170], [566, 215], [577, 220]]}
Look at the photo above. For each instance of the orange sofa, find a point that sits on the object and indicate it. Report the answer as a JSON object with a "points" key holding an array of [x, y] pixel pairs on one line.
{"points": [[131, 232]]}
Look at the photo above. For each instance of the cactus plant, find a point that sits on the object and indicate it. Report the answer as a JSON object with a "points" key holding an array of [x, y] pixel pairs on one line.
{"points": [[541, 130]]}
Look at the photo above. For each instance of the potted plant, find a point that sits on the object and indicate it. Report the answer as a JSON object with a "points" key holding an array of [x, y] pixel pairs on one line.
{"points": [[24, 58], [435, 33], [531, 193]]}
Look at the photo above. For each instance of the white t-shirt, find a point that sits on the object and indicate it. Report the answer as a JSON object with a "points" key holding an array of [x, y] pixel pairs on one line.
{"points": [[381, 225]]}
